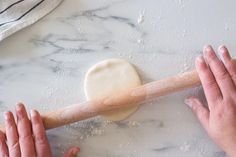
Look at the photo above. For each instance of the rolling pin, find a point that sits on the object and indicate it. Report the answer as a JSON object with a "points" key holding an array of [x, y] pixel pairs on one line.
{"points": [[128, 98], [123, 99]]}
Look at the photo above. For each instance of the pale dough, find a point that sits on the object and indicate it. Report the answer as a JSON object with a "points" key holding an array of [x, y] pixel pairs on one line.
{"points": [[109, 77]]}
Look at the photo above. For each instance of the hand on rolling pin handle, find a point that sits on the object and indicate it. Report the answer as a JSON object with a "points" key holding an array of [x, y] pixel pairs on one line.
{"points": [[26, 137], [219, 83]]}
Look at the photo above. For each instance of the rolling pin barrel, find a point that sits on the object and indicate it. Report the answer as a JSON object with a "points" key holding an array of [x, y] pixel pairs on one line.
{"points": [[124, 99]]}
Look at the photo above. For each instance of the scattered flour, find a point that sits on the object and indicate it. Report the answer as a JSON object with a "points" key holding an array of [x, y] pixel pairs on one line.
{"points": [[184, 33], [97, 131], [226, 27], [185, 147], [141, 17], [140, 41], [185, 67], [133, 123]]}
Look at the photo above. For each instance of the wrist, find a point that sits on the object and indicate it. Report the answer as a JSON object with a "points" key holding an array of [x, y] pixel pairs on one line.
{"points": [[231, 152], [228, 146]]}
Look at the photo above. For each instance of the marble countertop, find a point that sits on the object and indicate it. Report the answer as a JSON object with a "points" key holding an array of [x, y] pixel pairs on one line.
{"points": [[44, 66]]}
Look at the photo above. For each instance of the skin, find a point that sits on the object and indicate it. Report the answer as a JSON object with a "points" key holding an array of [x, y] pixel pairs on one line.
{"points": [[26, 136], [218, 79]]}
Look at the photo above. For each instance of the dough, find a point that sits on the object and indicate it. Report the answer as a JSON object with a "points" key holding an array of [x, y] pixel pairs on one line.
{"points": [[109, 77]]}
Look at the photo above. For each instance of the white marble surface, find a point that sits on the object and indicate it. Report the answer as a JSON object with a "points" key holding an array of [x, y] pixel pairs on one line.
{"points": [[44, 66]]}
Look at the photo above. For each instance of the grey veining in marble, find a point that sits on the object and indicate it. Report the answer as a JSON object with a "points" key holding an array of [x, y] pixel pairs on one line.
{"points": [[44, 66]]}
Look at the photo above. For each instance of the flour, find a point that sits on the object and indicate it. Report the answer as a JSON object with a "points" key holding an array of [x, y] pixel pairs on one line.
{"points": [[185, 66], [133, 123], [185, 147], [97, 131], [140, 41], [141, 17], [226, 27], [184, 33]]}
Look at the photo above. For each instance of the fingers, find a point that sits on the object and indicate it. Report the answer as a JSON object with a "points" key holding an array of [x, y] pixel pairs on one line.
{"points": [[20, 141], [41, 143], [3, 145], [219, 71], [24, 131], [72, 152], [210, 86], [228, 62], [12, 135], [200, 110]]}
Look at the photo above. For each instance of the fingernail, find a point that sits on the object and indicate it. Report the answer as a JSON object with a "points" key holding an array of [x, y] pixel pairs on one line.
{"points": [[7, 115], [200, 59], [221, 50], [33, 113], [76, 150], [188, 102], [208, 51], [207, 48], [19, 106]]}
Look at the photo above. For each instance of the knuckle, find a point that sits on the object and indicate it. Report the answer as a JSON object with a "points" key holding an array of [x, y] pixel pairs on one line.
{"points": [[230, 107], [40, 139], [11, 128], [14, 145], [194, 108], [23, 120], [197, 109], [219, 115], [230, 66], [211, 85], [26, 137], [222, 75], [224, 110], [201, 112]]}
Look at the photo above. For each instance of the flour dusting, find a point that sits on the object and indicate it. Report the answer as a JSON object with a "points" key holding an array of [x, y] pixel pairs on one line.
{"points": [[141, 17], [185, 147]]}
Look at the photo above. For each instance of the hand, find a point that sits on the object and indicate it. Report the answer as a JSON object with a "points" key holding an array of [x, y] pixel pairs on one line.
{"points": [[26, 137], [219, 83]]}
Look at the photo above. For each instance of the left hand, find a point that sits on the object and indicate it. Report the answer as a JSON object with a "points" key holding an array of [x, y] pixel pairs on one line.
{"points": [[26, 137]]}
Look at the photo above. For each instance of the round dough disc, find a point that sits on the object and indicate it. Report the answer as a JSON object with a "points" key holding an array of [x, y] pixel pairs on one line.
{"points": [[109, 77]]}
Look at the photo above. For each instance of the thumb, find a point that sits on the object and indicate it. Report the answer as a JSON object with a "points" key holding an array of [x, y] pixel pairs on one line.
{"points": [[200, 110], [72, 152]]}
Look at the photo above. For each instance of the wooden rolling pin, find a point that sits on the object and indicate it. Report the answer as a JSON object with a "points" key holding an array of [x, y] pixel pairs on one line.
{"points": [[77, 112], [124, 99], [127, 98]]}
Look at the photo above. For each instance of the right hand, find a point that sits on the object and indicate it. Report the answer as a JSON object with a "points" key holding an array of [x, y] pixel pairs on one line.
{"points": [[219, 83], [27, 137]]}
